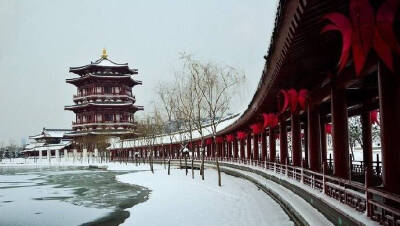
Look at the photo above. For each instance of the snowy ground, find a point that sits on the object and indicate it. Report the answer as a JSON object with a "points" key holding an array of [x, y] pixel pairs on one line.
{"points": [[180, 200]]}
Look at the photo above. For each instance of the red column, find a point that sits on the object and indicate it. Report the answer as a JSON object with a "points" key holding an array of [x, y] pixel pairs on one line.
{"points": [[223, 150], [367, 146], [212, 149], [283, 141], [389, 95], [305, 163], [235, 148], [242, 149], [229, 149], [296, 140], [263, 146], [340, 137], [255, 146], [314, 138], [272, 145], [198, 150], [248, 144], [323, 145]]}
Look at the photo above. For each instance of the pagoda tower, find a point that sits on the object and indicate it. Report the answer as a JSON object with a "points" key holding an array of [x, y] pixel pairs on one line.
{"points": [[104, 104]]}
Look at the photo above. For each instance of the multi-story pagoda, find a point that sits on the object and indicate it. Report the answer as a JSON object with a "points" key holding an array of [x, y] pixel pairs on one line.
{"points": [[104, 104]]}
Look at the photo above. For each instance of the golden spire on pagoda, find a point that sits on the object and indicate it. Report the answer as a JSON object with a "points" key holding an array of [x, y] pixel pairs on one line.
{"points": [[104, 54]]}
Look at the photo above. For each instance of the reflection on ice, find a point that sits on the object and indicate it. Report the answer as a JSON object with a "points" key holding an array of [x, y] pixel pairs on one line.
{"points": [[64, 196]]}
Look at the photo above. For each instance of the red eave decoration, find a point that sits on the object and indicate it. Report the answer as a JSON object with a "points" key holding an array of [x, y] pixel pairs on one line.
{"points": [[364, 31]]}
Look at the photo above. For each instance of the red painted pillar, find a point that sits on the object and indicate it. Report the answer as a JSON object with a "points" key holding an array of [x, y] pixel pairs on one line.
{"points": [[389, 95], [198, 150], [340, 137], [305, 163], [223, 149], [242, 149], [272, 145], [263, 146], [314, 138], [296, 139], [255, 146], [229, 143], [212, 149], [323, 145], [248, 144], [235, 148], [367, 146], [283, 141]]}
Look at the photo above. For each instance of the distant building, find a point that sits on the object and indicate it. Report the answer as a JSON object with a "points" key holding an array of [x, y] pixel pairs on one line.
{"points": [[104, 103], [50, 142]]}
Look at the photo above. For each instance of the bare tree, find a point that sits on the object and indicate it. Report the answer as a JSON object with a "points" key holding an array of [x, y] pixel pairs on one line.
{"points": [[213, 87]]}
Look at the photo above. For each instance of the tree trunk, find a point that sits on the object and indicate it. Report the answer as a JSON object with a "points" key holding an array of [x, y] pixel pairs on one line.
{"points": [[169, 166], [219, 174], [192, 169], [202, 165], [186, 169]]}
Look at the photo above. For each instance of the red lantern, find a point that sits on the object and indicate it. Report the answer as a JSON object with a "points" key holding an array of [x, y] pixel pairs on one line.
{"points": [[293, 99], [365, 31], [270, 120], [230, 137], [285, 97], [374, 117], [328, 128], [303, 93], [209, 141], [256, 128], [241, 135]]}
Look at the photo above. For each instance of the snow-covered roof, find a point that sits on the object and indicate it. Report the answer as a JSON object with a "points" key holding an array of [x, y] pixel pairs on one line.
{"points": [[51, 133], [41, 146], [176, 137], [103, 62], [91, 75]]}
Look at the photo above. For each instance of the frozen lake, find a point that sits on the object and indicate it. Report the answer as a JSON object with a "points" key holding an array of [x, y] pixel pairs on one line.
{"points": [[65, 196]]}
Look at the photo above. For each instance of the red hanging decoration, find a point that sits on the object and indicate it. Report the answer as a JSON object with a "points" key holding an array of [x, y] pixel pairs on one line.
{"points": [[374, 117], [219, 140], [328, 128], [230, 137], [241, 135], [270, 120], [364, 31], [293, 99], [257, 128], [285, 97], [302, 98], [273, 118], [209, 141]]}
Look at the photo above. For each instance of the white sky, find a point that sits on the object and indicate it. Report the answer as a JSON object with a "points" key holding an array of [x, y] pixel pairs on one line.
{"points": [[40, 40]]}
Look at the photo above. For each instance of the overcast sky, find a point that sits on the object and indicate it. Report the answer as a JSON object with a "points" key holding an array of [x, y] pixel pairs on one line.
{"points": [[40, 40]]}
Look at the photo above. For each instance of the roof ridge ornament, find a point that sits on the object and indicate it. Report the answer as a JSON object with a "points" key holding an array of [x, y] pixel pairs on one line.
{"points": [[104, 54]]}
